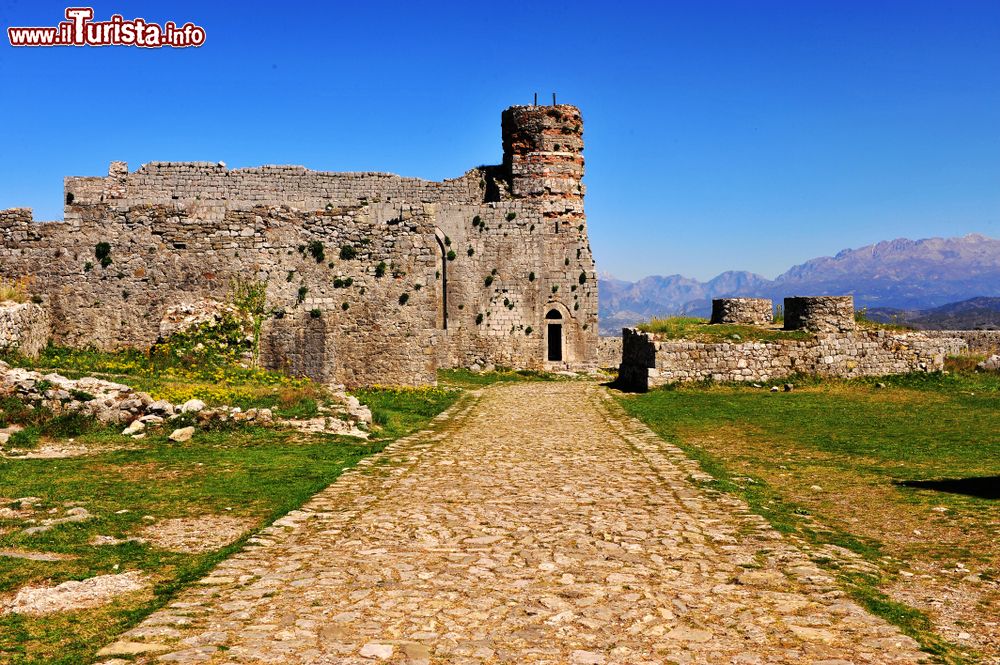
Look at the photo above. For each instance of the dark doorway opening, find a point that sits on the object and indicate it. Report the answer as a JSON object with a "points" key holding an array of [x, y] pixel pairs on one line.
{"points": [[555, 341]]}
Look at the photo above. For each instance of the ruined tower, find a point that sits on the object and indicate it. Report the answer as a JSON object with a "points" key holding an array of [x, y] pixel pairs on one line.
{"points": [[543, 153]]}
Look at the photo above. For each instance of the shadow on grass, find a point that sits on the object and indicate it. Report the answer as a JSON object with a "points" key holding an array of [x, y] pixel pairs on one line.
{"points": [[983, 487]]}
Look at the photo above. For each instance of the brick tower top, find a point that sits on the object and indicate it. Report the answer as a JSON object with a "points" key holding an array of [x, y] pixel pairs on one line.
{"points": [[543, 152]]}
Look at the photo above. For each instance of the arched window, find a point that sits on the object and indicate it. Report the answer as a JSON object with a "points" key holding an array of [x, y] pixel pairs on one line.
{"points": [[554, 335]]}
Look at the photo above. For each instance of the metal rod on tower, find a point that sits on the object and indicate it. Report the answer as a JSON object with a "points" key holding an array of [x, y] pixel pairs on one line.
{"points": [[553, 99], [536, 100]]}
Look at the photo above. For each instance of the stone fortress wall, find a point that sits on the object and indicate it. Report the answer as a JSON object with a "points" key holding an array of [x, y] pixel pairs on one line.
{"points": [[483, 269], [838, 348]]}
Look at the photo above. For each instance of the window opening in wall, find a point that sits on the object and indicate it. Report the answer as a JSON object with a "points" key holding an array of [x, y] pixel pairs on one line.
{"points": [[444, 282], [554, 335]]}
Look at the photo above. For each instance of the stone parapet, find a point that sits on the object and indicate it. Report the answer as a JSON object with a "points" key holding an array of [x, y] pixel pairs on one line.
{"points": [[648, 362]]}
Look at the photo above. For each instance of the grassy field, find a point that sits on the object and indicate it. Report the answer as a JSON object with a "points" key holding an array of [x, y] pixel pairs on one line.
{"points": [[252, 475], [907, 476], [700, 330]]}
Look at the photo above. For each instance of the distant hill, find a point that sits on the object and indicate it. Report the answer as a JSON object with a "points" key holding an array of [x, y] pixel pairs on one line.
{"points": [[904, 275], [981, 313]]}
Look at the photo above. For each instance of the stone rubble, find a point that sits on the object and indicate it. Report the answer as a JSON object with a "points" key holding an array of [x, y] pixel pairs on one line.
{"points": [[72, 595], [991, 364], [111, 402], [75, 514]]}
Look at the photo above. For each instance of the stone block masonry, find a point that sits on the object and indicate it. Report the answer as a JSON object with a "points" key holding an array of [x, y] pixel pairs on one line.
{"points": [[743, 311], [648, 362], [24, 328], [975, 342], [372, 277], [820, 313], [609, 352]]}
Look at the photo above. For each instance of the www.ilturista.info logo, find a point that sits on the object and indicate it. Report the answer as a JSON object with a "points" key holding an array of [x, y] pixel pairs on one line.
{"points": [[80, 30]]}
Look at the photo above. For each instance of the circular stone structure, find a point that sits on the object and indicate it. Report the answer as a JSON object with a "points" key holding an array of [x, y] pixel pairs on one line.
{"points": [[820, 313], [744, 311]]}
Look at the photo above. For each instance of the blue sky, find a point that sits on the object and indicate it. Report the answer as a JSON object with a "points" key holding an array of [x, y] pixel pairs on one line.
{"points": [[720, 135]]}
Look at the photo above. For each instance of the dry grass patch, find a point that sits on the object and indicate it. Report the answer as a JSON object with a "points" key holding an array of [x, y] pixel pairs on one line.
{"points": [[15, 290]]}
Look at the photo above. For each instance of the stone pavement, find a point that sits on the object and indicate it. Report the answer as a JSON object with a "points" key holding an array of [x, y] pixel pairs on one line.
{"points": [[534, 524]]}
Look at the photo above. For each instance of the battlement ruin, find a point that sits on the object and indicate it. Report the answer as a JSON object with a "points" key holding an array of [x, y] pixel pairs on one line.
{"points": [[372, 277]]}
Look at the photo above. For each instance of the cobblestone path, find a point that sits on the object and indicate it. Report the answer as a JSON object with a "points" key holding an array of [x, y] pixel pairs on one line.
{"points": [[535, 524]]}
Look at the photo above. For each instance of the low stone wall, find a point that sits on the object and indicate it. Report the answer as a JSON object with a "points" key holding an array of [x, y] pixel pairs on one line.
{"points": [[743, 311], [648, 362], [609, 351], [24, 328], [978, 342], [820, 313]]}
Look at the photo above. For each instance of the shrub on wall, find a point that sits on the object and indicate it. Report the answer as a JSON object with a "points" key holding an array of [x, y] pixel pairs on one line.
{"points": [[316, 250], [102, 252], [347, 252], [380, 269], [249, 297], [226, 339]]}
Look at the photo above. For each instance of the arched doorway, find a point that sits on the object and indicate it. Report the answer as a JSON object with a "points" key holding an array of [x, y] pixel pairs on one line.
{"points": [[554, 336]]}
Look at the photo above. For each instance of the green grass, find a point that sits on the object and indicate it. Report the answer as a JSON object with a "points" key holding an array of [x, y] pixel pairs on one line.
{"points": [[178, 381], [253, 473], [700, 330], [399, 411], [857, 442], [466, 379]]}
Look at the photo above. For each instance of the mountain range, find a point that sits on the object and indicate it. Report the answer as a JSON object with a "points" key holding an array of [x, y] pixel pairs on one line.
{"points": [[972, 314], [896, 276]]}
